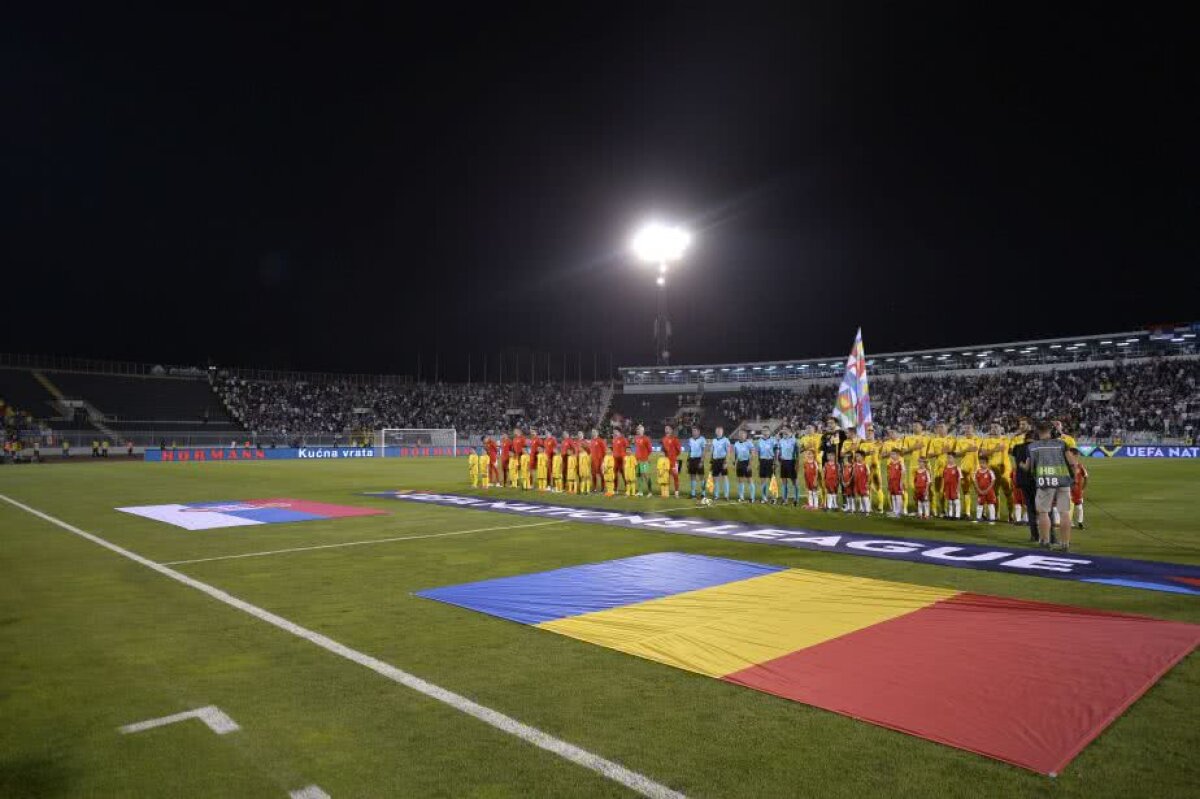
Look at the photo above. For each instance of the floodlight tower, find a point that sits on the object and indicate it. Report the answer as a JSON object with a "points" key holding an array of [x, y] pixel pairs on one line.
{"points": [[661, 245]]}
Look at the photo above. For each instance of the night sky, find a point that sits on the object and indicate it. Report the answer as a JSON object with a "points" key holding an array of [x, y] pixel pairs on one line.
{"points": [[328, 191]]}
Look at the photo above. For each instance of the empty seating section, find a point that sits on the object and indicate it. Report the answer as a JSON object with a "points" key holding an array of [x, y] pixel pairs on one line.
{"points": [[20, 389], [135, 402]]}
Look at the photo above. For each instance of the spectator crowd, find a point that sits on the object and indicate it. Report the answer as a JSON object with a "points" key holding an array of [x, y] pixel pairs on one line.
{"points": [[1161, 397], [290, 408]]}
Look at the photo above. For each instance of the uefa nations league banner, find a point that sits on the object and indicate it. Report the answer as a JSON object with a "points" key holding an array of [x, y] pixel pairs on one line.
{"points": [[1151, 575], [206, 454], [1140, 451]]}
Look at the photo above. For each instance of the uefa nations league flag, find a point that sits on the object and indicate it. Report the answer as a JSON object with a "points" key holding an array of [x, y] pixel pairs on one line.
{"points": [[853, 405]]}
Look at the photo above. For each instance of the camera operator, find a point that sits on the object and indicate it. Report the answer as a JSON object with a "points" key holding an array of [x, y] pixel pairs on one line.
{"points": [[1053, 475]]}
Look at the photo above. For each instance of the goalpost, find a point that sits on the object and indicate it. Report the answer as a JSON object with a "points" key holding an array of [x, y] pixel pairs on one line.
{"points": [[398, 439]]}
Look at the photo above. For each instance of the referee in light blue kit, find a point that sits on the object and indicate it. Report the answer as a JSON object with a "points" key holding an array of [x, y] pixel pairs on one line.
{"points": [[787, 466], [695, 449], [741, 453], [766, 465], [720, 451]]}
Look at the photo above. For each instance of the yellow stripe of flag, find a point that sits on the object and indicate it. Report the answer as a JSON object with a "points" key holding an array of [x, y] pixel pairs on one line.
{"points": [[727, 628]]}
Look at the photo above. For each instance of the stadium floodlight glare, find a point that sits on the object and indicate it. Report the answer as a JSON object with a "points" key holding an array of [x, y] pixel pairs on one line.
{"points": [[656, 243], [660, 245]]}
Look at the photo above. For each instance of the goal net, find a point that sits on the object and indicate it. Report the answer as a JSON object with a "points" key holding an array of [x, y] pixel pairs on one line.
{"points": [[396, 441]]}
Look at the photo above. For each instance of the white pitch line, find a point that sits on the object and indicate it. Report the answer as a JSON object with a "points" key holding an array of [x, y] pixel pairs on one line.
{"points": [[216, 719], [308, 792], [357, 543], [636, 782]]}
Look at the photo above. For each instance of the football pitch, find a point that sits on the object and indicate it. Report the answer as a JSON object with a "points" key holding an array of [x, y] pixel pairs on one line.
{"points": [[308, 636]]}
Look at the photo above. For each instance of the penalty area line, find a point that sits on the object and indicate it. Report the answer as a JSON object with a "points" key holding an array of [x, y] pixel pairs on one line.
{"points": [[357, 543], [606, 768]]}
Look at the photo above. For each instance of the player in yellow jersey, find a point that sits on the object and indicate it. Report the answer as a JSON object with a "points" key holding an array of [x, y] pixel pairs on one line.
{"points": [[526, 477], [994, 448], [608, 467], [869, 447], [966, 451], [473, 468], [514, 472], [572, 468], [1062, 434], [663, 465], [556, 472], [810, 441], [916, 445], [892, 442], [850, 447], [630, 465], [585, 472], [543, 471], [941, 443], [851, 444]]}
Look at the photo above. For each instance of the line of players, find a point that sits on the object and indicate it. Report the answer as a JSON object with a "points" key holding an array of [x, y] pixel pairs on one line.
{"points": [[575, 464], [928, 475]]}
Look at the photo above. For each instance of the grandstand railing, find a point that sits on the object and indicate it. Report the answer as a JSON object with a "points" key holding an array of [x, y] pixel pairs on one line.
{"points": [[189, 438], [57, 363]]}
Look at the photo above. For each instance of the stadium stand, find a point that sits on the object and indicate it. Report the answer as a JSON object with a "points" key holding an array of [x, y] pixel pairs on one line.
{"points": [[1099, 403], [288, 407], [1129, 387], [146, 402], [19, 388], [1043, 353]]}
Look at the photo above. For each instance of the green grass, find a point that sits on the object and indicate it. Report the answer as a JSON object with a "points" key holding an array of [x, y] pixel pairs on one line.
{"points": [[90, 641]]}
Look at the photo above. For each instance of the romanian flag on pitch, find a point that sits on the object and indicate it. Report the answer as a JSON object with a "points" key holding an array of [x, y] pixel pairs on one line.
{"points": [[1024, 682], [853, 405]]}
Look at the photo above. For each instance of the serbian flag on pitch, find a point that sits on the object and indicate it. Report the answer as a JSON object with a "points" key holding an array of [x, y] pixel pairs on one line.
{"points": [[853, 405]]}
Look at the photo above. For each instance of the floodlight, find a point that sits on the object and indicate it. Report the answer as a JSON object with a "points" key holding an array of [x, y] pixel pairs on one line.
{"points": [[657, 243]]}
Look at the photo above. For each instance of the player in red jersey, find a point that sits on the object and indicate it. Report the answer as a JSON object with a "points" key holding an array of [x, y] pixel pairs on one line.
{"points": [[985, 491], [832, 480], [670, 450], [566, 444], [597, 449], [895, 482], [493, 476], [641, 451], [811, 480], [518, 443], [535, 445], [951, 482], [847, 484], [506, 448], [862, 483], [922, 480], [620, 446], [1078, 487], [550, 445]]}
